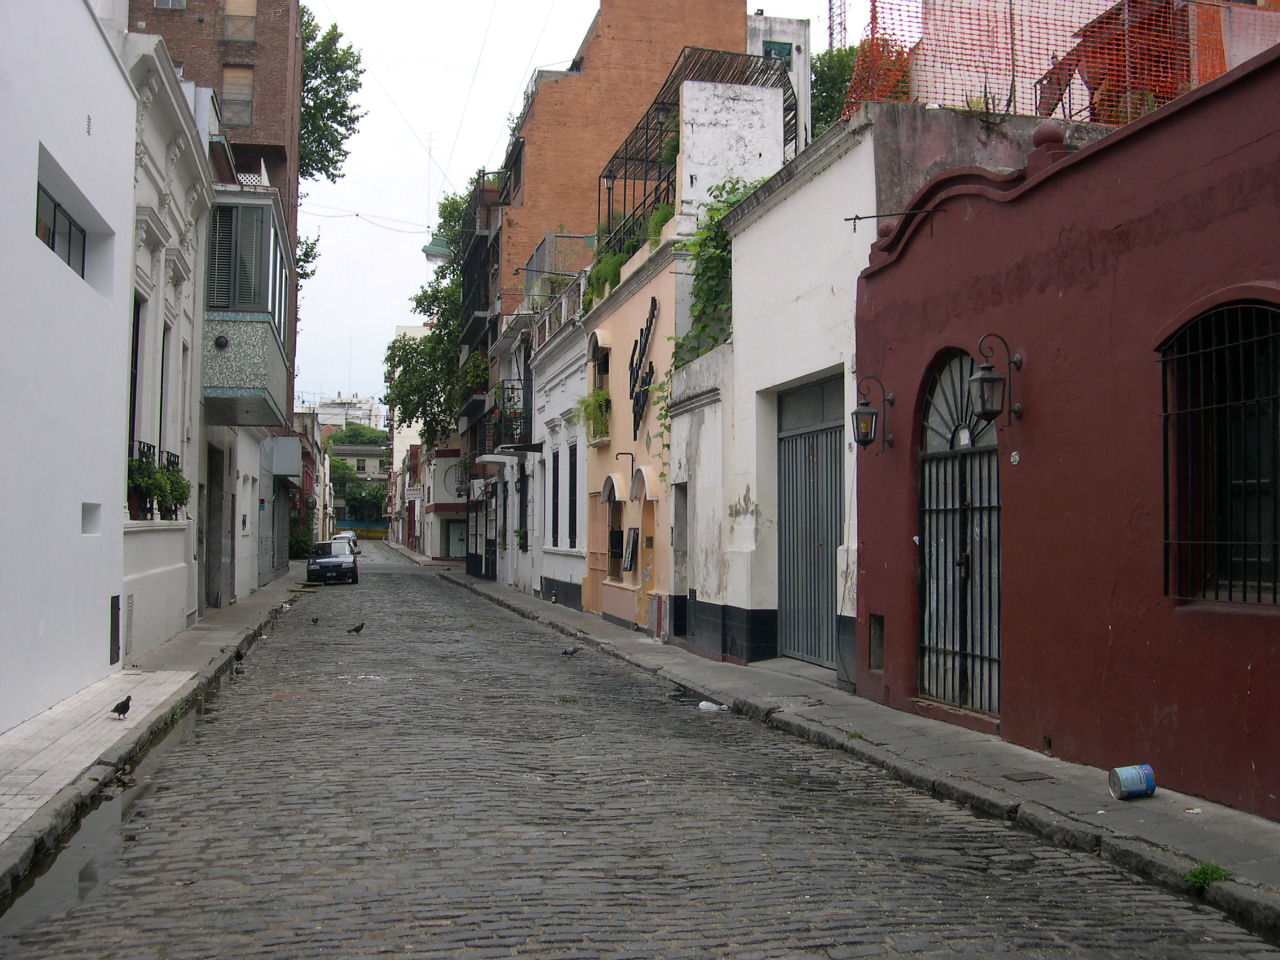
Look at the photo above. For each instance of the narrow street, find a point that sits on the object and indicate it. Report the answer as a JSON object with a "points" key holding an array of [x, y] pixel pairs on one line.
{"points": [[448, 784]]}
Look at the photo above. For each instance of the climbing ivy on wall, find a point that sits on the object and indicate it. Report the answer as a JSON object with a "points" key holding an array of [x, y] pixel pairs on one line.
{"points": [[710, 250]]}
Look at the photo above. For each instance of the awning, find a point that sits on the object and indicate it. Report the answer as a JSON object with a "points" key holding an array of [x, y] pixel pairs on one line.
{"points": [[612, 488], [518, 448], [644, 484]]}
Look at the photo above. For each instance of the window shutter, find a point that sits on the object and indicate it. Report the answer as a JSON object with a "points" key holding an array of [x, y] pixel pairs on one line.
{"points": [[220, 245], [248, 261]]}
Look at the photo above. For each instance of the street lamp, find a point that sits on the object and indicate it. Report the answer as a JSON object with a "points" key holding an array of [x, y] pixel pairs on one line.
{"points": [[608, 177], [437, 251]]}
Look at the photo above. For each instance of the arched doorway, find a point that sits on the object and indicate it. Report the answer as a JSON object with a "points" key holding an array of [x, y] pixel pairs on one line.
{"points": [[959, 547]]}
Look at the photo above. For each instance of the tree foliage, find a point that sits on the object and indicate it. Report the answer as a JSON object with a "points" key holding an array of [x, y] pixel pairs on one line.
{"points": [[711, 251], [426, 381], [341, 475], [305, 257], [331, 72], [830, 72], [358, 433], [365, 500]]}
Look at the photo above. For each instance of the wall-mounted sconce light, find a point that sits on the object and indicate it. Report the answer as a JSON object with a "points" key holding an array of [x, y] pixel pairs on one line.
{"points": [[989, 388], [865, 417]]}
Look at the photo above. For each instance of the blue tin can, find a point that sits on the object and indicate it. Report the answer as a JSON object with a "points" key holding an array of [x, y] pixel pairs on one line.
{"points": [[1126, 783]]}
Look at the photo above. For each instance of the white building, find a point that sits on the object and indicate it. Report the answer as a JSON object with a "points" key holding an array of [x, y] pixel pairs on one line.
{"points": [[560, 380], [339, 411], [173, 194], [764, 533], [66, 229]]}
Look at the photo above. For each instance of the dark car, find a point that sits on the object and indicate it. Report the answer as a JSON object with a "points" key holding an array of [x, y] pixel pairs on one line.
{"points": [[332, 560]]}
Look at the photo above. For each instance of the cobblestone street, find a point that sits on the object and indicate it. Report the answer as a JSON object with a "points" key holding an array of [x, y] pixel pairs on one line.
{"points": [[447, 783]]}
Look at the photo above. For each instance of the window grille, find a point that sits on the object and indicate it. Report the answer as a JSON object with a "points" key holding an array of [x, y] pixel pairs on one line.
{"points": [[1220, 383], [171, 4]]}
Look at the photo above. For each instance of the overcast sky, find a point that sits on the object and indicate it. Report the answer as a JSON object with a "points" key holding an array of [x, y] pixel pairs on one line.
{"points": [[441, 79]]}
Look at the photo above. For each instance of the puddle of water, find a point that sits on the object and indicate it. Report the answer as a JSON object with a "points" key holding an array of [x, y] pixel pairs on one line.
{"points": [[89, 857]]}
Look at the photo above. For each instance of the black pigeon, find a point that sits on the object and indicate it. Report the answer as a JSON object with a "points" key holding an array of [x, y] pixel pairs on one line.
{"points": [[570, 652], [357, 628], [121, 708], [315, 619]]}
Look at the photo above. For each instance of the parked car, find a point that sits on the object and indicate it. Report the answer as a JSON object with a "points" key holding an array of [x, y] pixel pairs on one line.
{"points": [[348, 535], [332, 560]]}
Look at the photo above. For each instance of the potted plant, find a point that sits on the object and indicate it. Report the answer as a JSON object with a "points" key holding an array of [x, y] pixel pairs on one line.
{"points": [[173, 492], [594, 410], [146, 484]]}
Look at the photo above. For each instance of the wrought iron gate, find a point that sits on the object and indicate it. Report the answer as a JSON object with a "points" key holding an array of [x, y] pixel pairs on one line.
{"points": [[960, 548], [810, 521]]}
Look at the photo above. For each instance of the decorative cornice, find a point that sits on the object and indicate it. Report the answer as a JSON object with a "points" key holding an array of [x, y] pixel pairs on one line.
{"points": [[151, 231]]}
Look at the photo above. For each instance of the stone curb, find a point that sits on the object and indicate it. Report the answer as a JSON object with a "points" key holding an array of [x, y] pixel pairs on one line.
{"points": [[41, 835], [1254, 909]]}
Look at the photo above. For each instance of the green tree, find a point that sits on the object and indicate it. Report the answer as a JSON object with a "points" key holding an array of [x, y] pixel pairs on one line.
{"points": [[341, 475], [358, 433], [305, 257], [426, 381], [366, 500], [829, 74], [331, 72]]}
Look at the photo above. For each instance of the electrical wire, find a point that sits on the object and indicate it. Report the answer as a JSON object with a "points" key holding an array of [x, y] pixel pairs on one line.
{"points": [[472, 85]]}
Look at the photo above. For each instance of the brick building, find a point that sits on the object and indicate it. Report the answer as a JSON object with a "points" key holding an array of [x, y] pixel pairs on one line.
{"points": [[250, 53], [540, 211]]}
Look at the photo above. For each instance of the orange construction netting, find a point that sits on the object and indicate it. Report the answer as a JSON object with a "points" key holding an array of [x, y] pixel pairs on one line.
{"points": [[1105, 61]]}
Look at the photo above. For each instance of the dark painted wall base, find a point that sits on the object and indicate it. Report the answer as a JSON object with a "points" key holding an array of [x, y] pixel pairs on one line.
{"points": [[723, 632], [846, 653], [569, 594]]}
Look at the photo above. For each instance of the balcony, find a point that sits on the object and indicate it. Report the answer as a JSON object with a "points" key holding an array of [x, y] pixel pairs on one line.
{"points": [[512, 422], [246, 373], [156, 486]]}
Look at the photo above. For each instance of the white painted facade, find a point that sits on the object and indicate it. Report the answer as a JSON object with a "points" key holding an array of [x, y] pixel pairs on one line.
{"points": [[72, 131], [404, 436], [796, 258], [560, 380], [172, 197], [443, 508]]}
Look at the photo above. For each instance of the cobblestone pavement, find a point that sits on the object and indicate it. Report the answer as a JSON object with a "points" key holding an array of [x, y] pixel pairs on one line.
{"points": [[448, 784]]}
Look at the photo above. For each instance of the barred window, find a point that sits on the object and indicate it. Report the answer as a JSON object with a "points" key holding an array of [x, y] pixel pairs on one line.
{"points": [[1221, 440]]}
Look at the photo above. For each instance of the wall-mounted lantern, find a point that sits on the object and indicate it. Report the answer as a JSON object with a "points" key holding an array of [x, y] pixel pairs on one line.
{"points": [[866, 418], [608, 177], [988, 388]]}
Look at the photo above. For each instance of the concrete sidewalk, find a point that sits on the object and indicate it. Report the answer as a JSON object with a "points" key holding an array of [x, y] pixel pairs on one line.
{"points": [[1160, 838], [56, 765]]}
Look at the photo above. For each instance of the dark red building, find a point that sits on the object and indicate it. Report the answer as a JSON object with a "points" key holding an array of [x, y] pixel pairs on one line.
{"points": [[1098, 577]]}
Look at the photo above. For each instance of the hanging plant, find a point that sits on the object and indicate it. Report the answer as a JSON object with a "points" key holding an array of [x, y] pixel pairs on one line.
{"points": [[594, 411]]}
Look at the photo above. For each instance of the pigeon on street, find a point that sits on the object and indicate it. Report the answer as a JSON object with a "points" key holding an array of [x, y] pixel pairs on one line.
{"points": [[121, 708], [570, 652], [315, 619], [357, 628]]}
